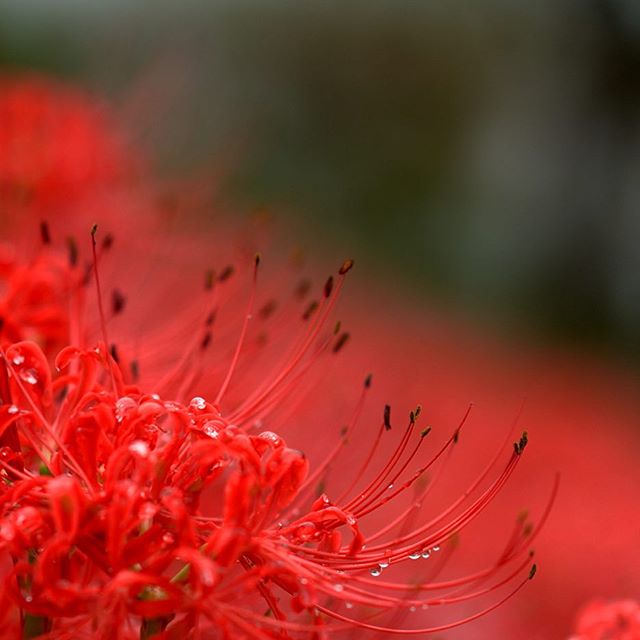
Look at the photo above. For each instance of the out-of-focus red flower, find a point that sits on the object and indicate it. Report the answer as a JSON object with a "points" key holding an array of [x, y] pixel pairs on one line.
{"points": [[619, 620], [58, 146]]}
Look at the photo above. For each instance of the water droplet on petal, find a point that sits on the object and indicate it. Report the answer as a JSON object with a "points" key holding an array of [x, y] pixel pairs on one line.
{"points": [[123, 406], [168, 538], [375, 571], [18, 359], [338, 587], [415, 556], [139, 447], [12, 410], [349, 605], [271, 437], [198, 403], [383, 564], [211, 431], [426, 554], [436, 548], [30, 376]]}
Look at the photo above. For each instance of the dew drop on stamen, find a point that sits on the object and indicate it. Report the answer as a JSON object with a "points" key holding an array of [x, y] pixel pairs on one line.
{"points": [[415, 556], [18, 360], [375, 571], [12, 410], [436, 548], [426, 554], [383, 564]]}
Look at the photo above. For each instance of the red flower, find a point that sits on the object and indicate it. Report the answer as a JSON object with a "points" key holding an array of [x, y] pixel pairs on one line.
{"points": [[57, 145], [128, 510], [609, 621], [126, 514]]}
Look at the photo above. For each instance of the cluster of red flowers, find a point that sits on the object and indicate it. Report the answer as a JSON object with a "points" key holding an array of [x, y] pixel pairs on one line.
{"points": [[129, 514], [618, 620]]}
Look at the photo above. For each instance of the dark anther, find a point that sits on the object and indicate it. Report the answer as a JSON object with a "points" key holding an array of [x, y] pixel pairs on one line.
{"points": [[347, 265], [328, 287], [114, 353], [226, 273], [72, 248], [519, 446], [302, 288], [387, 417], [209, 279], [367, 381], [267, 309], [340, 342], [45, 234], [206, 340], [118, 301], [309, 311], [107, 242]]}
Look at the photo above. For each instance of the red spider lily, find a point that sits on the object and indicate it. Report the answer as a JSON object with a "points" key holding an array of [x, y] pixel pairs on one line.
{"points": [[35, 298], [126, 514], [57, 145], [618, 620], [131, 514]]}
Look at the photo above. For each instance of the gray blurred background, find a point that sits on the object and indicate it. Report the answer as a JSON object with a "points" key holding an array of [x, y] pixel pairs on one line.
{"points": [[486, 153]]}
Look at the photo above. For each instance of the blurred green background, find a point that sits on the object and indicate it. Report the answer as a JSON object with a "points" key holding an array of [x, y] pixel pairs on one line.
{"points": [[487, 153]]}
